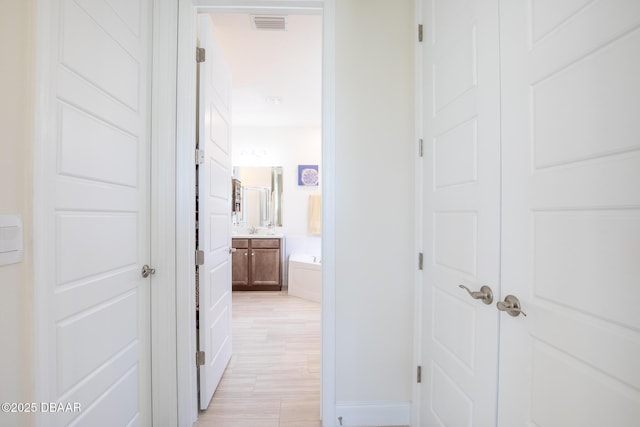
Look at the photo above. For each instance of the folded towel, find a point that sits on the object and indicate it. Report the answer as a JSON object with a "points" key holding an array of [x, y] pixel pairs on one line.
{"points": [[315, 214]]}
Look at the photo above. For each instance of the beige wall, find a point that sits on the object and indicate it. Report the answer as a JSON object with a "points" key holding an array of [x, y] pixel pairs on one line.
{"points": [[375, 259], [16, 152]]}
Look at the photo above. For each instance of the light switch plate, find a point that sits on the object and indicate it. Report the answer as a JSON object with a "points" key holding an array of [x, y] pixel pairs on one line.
{"points": [[11, 240]]}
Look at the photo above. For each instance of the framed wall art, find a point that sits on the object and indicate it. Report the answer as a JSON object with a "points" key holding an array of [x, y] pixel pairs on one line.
{"points": [[308, 175]]}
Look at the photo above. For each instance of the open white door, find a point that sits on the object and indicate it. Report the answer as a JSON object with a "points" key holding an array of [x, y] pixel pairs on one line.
{"points": [[571, 221], [94, 337], [461, 212], [214, 217]]}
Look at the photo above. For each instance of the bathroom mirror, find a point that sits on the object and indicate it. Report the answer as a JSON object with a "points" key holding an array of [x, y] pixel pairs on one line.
{"points": [[261, 192]]}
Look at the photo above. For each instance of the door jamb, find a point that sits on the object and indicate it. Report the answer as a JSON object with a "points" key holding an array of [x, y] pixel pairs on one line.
{"points": [[418, 218], [42, 190], [182, 88], [164, 214]]}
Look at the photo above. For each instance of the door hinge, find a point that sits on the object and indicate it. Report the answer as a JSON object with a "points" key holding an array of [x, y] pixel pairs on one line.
{"points": [[200, 54], [199, 257], [421, 147], [419, 32], [419, 374], [200, 358], [199, 157], [420, 261]]}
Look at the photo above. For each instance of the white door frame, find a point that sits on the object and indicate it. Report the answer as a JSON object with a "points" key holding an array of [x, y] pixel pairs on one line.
{"points": [[182, 86], [42, 223], [418, 207], [164, 251]]}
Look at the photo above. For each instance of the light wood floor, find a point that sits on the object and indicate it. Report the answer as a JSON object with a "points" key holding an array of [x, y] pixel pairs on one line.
{"points": [[273, 379]]}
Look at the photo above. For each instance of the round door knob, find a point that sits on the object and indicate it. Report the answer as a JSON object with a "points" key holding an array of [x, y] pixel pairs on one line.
{"points": [[147, 271]]}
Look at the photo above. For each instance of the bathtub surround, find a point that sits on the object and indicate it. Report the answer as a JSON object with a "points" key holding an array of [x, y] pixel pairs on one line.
{"points": [[311, 245], [305, 277]]}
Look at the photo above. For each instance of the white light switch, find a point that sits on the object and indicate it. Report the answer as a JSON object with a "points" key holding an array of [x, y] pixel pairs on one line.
{"points": [[10, 239]]}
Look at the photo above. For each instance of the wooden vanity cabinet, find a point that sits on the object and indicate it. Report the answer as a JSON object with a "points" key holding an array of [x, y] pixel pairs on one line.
{"points": [[256, 265], [240, 263]]}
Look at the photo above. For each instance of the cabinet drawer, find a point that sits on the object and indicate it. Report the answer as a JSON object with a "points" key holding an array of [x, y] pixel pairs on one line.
{"points": [[240, 243], [265, 243]]}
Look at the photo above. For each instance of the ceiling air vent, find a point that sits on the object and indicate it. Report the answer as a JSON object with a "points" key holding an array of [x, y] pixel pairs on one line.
{"points": [[269, 22]]}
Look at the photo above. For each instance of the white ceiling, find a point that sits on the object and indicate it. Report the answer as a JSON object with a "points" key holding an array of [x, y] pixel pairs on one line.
{"points": [[270, 65]]}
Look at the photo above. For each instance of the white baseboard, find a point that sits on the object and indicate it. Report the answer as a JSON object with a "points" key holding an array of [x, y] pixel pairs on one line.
{"points": [[361, 414]]}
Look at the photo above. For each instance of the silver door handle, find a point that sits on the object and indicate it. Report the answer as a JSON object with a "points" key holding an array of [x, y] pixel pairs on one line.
{"points": [[485, 294], [511, 305], [231, 250], [147, 271]]}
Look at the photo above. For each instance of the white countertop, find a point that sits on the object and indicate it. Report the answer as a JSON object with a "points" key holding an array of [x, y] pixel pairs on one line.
{"points": [[257, 236]]}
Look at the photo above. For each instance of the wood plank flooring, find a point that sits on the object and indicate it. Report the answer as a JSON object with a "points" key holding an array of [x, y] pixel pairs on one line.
{"points": [[273, 378]]}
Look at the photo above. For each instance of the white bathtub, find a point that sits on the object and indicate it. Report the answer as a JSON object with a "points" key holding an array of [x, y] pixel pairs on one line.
{"points": [[305, 277]]}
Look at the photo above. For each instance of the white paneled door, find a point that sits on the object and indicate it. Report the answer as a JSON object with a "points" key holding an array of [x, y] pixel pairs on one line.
{"points": [[95, 331], [214, 217], [461, 212], [532, 187], [571, 217]]}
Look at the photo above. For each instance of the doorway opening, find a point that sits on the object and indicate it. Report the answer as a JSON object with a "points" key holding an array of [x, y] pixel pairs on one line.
{"points": [[275, 62]]}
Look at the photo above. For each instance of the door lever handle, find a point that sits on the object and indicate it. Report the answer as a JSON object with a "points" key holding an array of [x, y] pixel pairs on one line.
{"points": [[485, 294], [511, 305]]}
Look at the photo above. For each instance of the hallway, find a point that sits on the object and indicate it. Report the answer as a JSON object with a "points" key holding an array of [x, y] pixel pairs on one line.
{"points": [[273, 379]]}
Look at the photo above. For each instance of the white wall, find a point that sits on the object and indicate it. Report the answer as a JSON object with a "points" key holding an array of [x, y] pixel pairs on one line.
{"points": [[16, 150], [375, 259]]}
